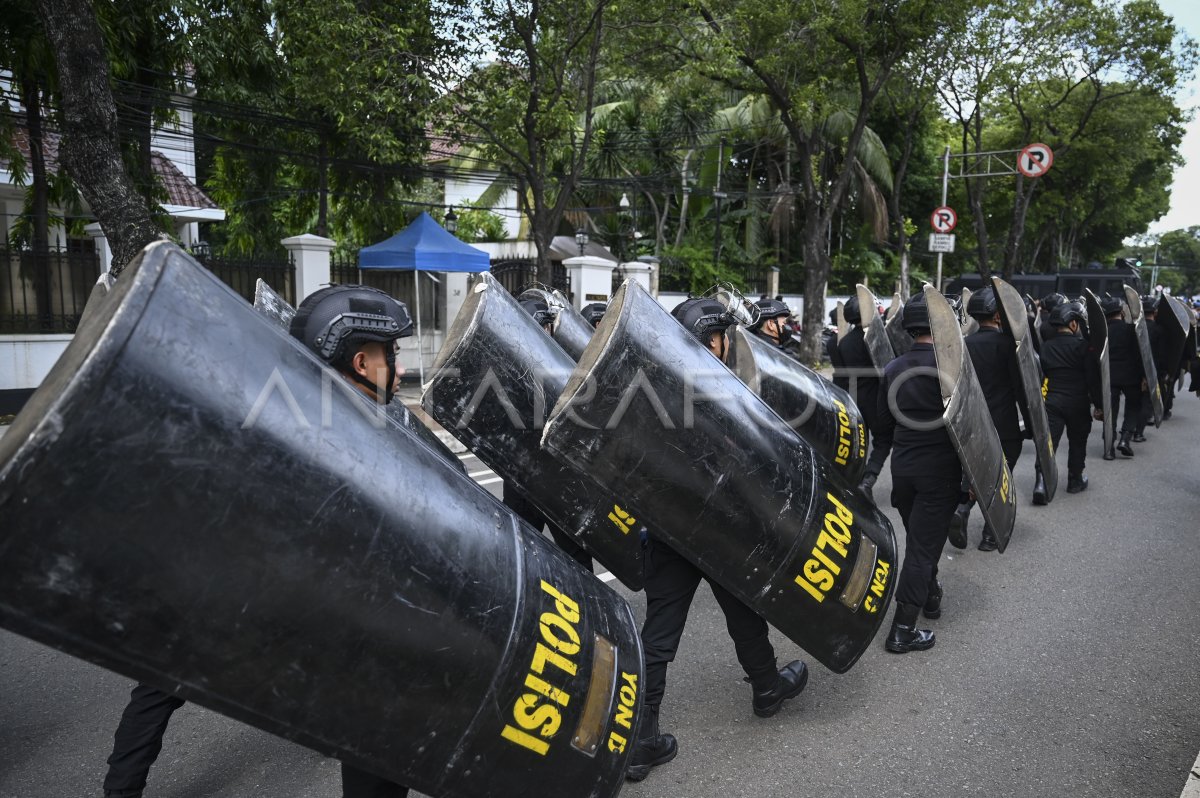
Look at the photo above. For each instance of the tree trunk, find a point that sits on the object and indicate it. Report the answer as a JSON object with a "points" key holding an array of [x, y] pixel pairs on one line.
{"points": [[90, 149], [817, 267], [1012, 249]]}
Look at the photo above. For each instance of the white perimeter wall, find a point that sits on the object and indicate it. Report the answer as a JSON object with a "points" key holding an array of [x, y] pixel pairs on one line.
{"points": [[25, 360]]}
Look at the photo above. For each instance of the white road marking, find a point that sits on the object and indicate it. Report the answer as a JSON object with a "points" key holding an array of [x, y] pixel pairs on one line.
{"points": [[489, 481], [605, 576], [482, 473]]}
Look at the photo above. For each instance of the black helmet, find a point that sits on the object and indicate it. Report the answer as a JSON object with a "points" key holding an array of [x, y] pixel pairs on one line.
{"points": [[1030, 306], [955, 302], [770, 309], [982, 304], [833, 317], [915, 318], [1149, 304], [594, 312], [850, 310], [1050, 301], [330, 319], [540, 311], [1066, 312], [702, 317], [1110, 305]]}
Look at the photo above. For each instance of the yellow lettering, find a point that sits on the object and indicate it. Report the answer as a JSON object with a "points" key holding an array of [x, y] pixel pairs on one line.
{"points": [[525, 740], [616, 743], [830, 564], [817, 575], [566, 606], [812, 591], [551, 621], [621, 525], [546, 689], [542, 655], [825, 538], [843, 513], [532, 716], [832, 522]]}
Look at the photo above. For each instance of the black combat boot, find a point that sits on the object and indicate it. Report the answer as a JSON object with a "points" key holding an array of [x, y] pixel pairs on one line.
{"points": [[790, 682], [1039, 490], [1139, 436], [933, 602], [905, 636], [652, 748], [958, 525], [1110, 453], [1076, 483], [1123, 445], [988, 541]]}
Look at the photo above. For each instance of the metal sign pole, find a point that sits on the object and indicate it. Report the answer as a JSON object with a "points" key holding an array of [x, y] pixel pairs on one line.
{"points": [[945, 185], [420, 348]]}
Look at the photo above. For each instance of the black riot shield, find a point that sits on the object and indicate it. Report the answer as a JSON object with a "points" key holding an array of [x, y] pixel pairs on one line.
{"points": [[1189, 345], [970, 423], [1015, 322], [192, 501], [874, 334], [493, 383], [1098, 336], [103, 285], [899, 338], [1175, 323], [823, 414], [571, 330], [279, 311], [651, 414], [1133, 302]]}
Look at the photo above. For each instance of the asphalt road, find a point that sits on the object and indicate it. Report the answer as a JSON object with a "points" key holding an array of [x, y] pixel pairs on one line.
{"points": [[1068, 666]]}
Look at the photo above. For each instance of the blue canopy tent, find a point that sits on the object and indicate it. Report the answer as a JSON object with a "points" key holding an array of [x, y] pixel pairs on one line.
{"points": [[423, 246]]}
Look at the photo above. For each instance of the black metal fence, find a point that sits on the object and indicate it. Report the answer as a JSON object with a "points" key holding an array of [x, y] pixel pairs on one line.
{"points": [[517, 275], [241, 273], [44, 292], [401, 285]]}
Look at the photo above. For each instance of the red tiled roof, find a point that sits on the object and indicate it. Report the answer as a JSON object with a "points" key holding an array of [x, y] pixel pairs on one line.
{"points": [[180, 190]]}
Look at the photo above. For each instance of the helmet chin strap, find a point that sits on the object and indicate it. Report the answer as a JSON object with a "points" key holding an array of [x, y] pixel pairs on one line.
{"points": [[388, 393]]}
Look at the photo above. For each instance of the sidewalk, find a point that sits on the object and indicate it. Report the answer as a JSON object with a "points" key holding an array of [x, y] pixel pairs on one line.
{"points": [[410, 395]]}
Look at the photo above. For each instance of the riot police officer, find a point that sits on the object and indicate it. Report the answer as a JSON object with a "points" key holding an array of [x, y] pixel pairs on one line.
{"points": [[855, 372], [1158, 347], [671, 583], [772, 324], [513, 499], [594, 312], [926, 476], [994, 357], [1072, 388], [354, 329], [1126, 373], [1048, 303]]}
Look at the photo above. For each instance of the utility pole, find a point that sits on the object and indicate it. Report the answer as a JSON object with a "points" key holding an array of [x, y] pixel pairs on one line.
{"points": [[945, 186]]}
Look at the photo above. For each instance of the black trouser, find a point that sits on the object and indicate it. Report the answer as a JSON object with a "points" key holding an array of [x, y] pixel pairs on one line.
{"points": [[1133, 406], [879, 454], [671, 583], [357, 784], [926, 504], [1078, 423], [138, 739], [534, 517]]}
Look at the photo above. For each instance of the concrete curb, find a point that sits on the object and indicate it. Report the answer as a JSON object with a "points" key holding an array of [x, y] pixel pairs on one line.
{"points": [[1191, 788]]}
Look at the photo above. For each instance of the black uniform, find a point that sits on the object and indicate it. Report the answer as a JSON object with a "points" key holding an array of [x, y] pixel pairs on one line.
{"points": [[994, 357], [1072, 388], [1125, 373], [926, 473], [855, 372], [529, 513], [138, 742]]}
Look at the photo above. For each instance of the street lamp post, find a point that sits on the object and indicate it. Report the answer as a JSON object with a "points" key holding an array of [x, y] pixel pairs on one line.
{"points": [[451, 224], [581, 238]]}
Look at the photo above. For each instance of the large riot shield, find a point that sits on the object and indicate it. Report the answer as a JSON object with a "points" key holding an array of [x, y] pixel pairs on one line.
{"points": [[874, 334], [899, 338], [843, 326], [104, 284], [1098, 336], [969, 422], [570, 329], [279, 311], [192, 500], [1175, 323], [651, 414], [1190, 352], [493, 383], [823, 414], [1133, 302], [1015, 323]]}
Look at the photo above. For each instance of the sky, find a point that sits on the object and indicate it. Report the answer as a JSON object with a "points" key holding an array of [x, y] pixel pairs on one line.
{"points": [[1185, 191]]}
